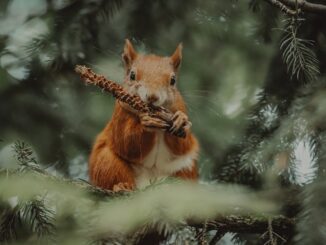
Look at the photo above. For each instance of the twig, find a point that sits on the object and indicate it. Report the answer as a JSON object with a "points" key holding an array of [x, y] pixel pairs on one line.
{"points": [[251, 225], [133, 101], [306, 6], [295, 7], [271, 232], [218, 236], [202, 234], [282, 7]]}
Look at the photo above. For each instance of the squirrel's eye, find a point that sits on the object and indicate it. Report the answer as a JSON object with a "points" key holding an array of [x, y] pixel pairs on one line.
{"points": [[132, 75], [173, 80]]}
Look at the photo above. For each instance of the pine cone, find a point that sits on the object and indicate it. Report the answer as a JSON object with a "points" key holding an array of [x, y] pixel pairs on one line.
{"points": [[134, 101]]}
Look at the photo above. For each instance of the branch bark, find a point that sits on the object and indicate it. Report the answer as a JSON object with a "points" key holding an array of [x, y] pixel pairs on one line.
{"points": [[133, 101], [281, 226], [289, 6], [253, 225], [306, 6], [285, 9]]}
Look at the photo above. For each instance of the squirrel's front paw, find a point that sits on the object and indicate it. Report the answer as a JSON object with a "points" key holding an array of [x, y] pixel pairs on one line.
{"points": [[180, 120], [152, 123], [123, 186]]}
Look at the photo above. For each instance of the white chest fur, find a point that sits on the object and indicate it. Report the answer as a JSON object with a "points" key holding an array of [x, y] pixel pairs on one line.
{"points": [[161, 163]]}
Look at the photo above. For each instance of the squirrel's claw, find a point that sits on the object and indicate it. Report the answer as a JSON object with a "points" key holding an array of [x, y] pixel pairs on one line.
{"points": [[152, 122], [123, 186], [180, 120]]}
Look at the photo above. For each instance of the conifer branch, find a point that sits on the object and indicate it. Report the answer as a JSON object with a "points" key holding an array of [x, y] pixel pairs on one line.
{"points": [[10, 219], [298, 54], [306, 6], [242, 224], [251, 225], [134, 101], [293, 7], [284, 8], [39, 217]]}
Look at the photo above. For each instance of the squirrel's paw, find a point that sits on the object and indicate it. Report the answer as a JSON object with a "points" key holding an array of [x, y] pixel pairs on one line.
{"points": [[123, 186], [180, 120], [152, 123]]}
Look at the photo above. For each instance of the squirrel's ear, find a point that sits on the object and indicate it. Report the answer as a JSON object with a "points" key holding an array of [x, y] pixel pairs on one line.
{"points": [[177, 57], [129, 54]]}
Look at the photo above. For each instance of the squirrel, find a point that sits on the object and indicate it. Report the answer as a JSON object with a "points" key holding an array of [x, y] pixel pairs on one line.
{"points": [[134, 148]]}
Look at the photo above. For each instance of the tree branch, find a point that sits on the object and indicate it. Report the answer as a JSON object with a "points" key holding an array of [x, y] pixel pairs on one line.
{"points": [[79, 184], [289, 6], [285, 9], [306, 6], [250, 224], [245, 224]]}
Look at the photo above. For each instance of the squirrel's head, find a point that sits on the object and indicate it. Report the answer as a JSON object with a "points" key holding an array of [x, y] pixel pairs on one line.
{"points": [[152, 77]]}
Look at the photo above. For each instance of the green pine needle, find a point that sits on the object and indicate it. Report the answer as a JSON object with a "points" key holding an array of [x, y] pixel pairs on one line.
{"points": [[298, 54]]}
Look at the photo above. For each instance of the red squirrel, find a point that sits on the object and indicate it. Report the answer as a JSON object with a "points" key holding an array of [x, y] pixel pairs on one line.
{"points": [[134, 149]]}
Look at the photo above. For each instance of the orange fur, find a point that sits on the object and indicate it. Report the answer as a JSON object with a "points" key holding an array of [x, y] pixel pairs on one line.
{"points": [[125, 142]]}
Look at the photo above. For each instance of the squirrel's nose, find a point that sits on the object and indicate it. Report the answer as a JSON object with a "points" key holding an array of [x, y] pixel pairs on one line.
{"points": [[152, 98]]}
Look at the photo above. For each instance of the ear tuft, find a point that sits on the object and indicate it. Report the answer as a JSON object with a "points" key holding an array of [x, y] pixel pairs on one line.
{"points": [[177, 57], [129, 54]]}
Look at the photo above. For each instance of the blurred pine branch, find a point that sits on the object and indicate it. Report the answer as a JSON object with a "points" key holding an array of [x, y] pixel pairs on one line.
{"points": [[298, 53], [38, 210]]}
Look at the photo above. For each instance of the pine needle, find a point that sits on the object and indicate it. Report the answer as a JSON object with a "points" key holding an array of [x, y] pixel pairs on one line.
{"points": [[298, 53]]}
